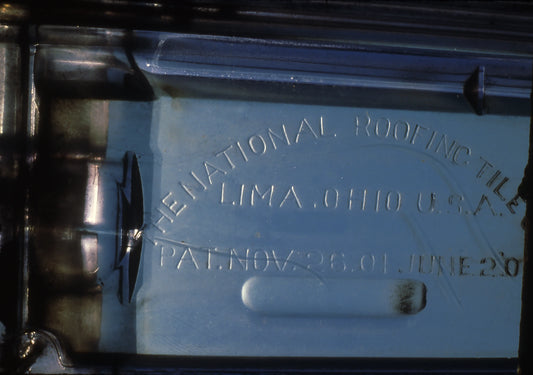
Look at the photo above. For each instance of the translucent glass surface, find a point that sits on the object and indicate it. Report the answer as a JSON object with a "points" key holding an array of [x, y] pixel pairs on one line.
{"points": [[275, 229]]}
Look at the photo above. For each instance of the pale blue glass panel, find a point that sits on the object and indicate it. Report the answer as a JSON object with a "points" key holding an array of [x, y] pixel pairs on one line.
{"points": [[296, 230]]}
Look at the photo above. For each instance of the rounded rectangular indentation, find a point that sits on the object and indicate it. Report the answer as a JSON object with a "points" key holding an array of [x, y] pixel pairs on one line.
{"points": [[311, 297]]}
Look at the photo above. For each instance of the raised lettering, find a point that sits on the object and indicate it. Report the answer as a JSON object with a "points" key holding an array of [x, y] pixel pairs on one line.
{"points": [[322, 129], [269, 192], [498, 188], [243, 154], [225, 153], [291, 193], [484, 200], [187, 257], [315, 260], [257, 144], [260, 260], [512, 203], [223, 199], [422, 262], [493, 178], [467, 152], [444, 142], [331, 198], [406, 129], [173, 205], [483, 168], [393, 204], [284, 138], [302, 130], [235, 258], [189, 189], [280, 264], [387, 127], [359, 125], [361, 199], [432, 203], [431, 139], [211, 170], [463, 267], [169, 254], [415, 133], [157, 224], [367, 263]]}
